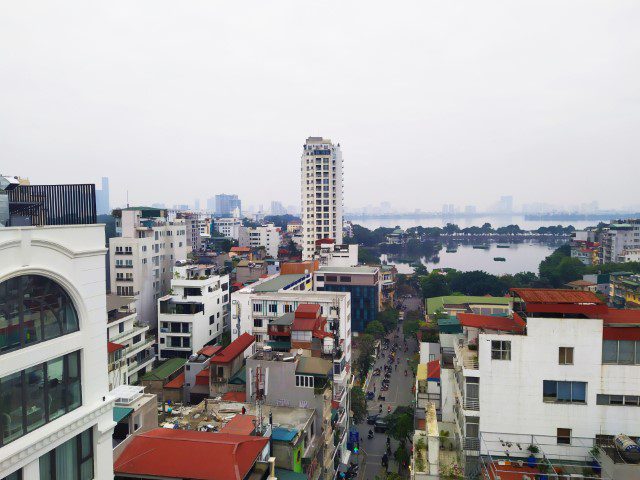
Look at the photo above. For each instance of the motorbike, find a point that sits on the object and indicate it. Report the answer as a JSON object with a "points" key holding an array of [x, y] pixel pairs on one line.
{"points": [[370, 434], [405, 373], [382, 398]]}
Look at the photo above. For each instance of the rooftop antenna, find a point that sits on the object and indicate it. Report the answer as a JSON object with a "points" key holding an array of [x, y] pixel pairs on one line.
{"points": [[127, 198], [259, 399]]}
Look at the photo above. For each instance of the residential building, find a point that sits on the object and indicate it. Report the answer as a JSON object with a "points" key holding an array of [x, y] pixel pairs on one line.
{"points": [[229, 227], [428, 386], [363, 283], [102, 198], [267, 236], [294, 226], [322, 193], [388, 276], [585, 246], [625, 290], [228, 206], [227, 362], [193, 314], [193, 227], [157, 379], [567, 362], [173, 454], [618, 238], [130, 348], [134, 412], [56, 419], [300, 381], [631, 255], [142, 256], [248, 271], [444, 311], [206, 226], [583, 285], [329, 254]]}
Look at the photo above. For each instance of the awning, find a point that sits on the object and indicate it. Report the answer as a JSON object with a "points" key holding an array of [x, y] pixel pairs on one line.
{"points": [[120, 413], [279, 345]]}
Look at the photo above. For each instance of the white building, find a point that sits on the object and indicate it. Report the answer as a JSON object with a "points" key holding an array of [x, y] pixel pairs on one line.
{"points": [[142, 256], [564, 366], [251, 312], [193, 314], [130, 349], [267, 236], [331, 255], [618, 238], [229, 227], [322, 194], [55, 416]]}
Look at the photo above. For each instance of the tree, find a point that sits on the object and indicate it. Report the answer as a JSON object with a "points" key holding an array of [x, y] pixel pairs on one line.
{"points": [[389, 319], [400, 423], [366, 347], [410, 327], [434, 285], [375, 329], [402, 456], [358, 405], [368, 256]]}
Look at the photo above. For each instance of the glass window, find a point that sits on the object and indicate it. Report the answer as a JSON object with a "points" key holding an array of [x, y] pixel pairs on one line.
{"points": [[14, 476], [626, 352], [579, 392], [565, 355], [564, 392], [73, 460], [11, 412], [74, 395], [564, 436], [33, 309], [500, 350], [34, 397], [610, 351]]}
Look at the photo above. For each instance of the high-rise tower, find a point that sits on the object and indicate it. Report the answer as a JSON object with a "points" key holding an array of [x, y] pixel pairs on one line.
{"points": [[321, 180]]}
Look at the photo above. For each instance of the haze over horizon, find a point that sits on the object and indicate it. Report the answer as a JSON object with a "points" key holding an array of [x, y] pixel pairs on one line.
{"points": [[535, 99]]}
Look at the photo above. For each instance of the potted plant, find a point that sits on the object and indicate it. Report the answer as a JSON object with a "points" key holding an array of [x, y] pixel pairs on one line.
{"points": [[444, 435], [543, 468], [531, 460], [593, 462]]}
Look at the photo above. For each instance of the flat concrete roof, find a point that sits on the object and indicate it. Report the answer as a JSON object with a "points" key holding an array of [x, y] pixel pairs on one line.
{"points": [[278, 283], [353, 270]]}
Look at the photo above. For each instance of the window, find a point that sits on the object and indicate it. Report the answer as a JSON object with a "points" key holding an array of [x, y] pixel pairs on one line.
{"points": [[346, 279], [564, 392], [38, 395], [304, 381], [257, 322], [257, 307], [563, 436], [332, 278], [500, 350], [288, 308], [212, 319], [621, 352], [33, 309], [71, 460], [565, 355], [17, 475], [320, 278], [273, 308], [626, 400]]}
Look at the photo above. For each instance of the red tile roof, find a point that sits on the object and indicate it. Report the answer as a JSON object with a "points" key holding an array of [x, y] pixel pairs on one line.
{"points": [[308, 310], [210, 350], [195, 455], [114, 347], [240, 249], [177, 382], [614, 316], [240, 425], [621, 333], [556, 296], [235, 348], [433, 370], [325, 241], [235, 397], [303, 324], [490, 322]]}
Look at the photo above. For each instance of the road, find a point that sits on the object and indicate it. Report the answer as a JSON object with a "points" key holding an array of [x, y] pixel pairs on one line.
{"points": [[399, 393]]}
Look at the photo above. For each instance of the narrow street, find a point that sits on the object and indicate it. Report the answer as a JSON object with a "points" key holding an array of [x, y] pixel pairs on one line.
{"points": [[399, 393]]}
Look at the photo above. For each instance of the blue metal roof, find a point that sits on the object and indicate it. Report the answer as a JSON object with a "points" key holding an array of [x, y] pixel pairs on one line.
{"points": [[284, 434]]}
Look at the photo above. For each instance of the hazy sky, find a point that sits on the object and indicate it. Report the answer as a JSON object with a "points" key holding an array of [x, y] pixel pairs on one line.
{"points": [[432, 101]]}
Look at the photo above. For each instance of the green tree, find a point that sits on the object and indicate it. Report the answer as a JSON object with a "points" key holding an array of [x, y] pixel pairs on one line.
{"points": [[366, 347], [358, 405], [389, 318], [402, 456], [368, 256], [400, 423], [375, 329], [434, 285]]}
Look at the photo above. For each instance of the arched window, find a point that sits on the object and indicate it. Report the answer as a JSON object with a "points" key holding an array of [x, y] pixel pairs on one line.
{"points": [[33, 309]]}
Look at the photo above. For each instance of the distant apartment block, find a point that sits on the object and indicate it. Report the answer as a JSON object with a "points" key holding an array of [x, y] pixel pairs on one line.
{"points": [[193, 314], [102, 198], [267, 236], [192, 223], [228, 206], [322, 193], [143, 254], [229, 227], [619, 238]]}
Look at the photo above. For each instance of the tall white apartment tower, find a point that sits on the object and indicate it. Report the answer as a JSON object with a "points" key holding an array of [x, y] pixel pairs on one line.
{"points": [[321, 180]]}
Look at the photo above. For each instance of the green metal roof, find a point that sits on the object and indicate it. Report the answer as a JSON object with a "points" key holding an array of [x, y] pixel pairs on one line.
{"points": [[286, 319], [163, 371], [438, 303], [282, 474], [121, 412], [280, 345], [240, 377], [278, 283]]}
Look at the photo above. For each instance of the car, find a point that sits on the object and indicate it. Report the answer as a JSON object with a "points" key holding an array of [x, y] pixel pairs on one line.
{"points": [[371, 419], [380, 425]]}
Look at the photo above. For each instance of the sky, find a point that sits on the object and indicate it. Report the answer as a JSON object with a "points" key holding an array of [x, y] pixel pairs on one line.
{"points": [[432, 101]]}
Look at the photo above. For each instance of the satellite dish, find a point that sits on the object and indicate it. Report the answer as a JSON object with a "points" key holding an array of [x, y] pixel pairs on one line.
{"points": [[235, 331]]}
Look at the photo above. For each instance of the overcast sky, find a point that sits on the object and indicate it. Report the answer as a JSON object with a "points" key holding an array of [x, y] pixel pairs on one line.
{"points": [[432, 101]]}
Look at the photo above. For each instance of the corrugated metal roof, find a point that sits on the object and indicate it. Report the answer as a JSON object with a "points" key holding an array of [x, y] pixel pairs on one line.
{"points": [[552, 295], [489, 322]]}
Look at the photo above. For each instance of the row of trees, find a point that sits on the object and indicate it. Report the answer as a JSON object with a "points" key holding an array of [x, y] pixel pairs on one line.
{"points": [[486, 229]]}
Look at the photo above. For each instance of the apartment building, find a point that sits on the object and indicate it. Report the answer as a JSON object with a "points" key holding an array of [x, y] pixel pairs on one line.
{"points": [[55, 416], [194, 314], [618, 238], [142, 255], [329, 254], [229, 227], [227, 205], [267, 236], [193, 227], [562, 367], [625, 290], [130, 348], [363, 283], [585, 246], [321, 193]]}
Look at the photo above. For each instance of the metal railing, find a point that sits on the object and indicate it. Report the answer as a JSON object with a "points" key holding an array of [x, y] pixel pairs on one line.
{"points": [[471, 404]]}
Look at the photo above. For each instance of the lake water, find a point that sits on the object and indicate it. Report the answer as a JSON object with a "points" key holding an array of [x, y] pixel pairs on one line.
{"points": [[495, 221], [520, 257]]}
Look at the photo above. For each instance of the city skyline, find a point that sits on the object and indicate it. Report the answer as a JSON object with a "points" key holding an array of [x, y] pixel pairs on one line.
{"points": [[520, 100]]}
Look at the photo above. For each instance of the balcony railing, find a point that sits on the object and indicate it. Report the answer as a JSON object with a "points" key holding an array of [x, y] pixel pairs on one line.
{"points": [[471, 404], [471, 443], [147, 342]]}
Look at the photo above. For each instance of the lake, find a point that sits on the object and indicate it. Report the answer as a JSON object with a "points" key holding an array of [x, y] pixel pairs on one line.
{"points": [[495, 221], [520, 257]]}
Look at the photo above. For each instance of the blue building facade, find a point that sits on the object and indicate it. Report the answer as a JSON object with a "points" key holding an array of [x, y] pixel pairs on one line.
{"points": [[364, 303]]}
